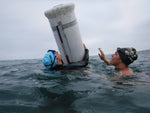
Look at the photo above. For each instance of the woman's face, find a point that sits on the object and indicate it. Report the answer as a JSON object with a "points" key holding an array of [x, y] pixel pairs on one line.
{"points": [[115, 59], [59, 58]]}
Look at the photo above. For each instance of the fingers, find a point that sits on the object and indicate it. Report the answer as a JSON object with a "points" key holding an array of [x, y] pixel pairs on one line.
{"points": [[99, 56], [99, 49], [84, 46], [102, 53]]}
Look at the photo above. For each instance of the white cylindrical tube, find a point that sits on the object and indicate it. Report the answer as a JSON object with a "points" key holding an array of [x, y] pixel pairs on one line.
{"points": [[66, 32]]}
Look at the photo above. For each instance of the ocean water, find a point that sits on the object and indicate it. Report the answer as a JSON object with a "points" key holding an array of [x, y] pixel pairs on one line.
{"points": [[27, 87]]}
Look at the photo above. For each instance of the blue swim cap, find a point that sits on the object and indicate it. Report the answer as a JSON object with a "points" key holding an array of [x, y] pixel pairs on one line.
{"points": [[50, 59]]}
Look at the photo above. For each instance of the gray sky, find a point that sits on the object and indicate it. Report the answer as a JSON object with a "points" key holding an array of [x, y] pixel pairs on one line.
{"points": [[25, 32]]}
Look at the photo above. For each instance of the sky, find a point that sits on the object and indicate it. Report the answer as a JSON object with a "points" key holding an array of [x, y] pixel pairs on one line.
{"points": [[25, 32]]}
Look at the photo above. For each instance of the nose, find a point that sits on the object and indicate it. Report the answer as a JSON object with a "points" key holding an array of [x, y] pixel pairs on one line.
{"points": [[112, 55]]}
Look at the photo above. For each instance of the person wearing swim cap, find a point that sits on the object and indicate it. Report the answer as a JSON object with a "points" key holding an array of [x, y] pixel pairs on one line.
{"points": [[121, 59], [53, 60]]}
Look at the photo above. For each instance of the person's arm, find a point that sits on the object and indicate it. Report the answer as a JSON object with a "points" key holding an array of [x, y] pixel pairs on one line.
{"points": [[102, 56], [86, 56]]}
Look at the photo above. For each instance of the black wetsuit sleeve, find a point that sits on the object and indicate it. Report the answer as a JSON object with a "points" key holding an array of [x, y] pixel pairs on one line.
{"points": [[85, 58]]}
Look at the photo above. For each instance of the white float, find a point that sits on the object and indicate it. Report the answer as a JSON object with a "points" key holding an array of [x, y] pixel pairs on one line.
{"points": [[66, 32]]}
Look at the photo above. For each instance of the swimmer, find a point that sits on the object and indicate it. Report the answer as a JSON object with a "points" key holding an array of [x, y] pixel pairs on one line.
{"points": [[53, 60], [121, 60]]}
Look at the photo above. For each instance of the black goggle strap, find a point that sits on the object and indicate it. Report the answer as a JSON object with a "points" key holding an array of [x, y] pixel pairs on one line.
{"points": [[53, 51], [53, 61]]}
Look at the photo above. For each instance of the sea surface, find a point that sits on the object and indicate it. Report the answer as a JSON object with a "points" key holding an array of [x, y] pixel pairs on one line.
{"points": [[27, 87]]}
